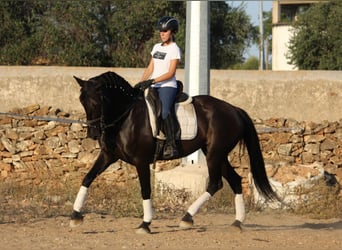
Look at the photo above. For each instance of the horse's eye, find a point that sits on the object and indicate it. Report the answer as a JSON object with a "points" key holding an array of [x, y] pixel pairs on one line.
{"points": [[92, 103]]}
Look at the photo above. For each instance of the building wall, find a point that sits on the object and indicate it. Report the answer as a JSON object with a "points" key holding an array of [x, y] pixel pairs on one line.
{"points": [[281, 31], [281, 34]]}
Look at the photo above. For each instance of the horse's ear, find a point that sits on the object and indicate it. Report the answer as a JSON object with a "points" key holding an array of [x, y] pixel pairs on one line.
{"points": [[80, 81]]}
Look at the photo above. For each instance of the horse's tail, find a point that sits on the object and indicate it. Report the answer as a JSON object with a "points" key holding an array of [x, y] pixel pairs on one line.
{"points": [[255, 157]]}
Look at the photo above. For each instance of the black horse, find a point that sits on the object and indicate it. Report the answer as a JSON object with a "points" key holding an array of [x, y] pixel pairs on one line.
{"points": [[117, 116]]}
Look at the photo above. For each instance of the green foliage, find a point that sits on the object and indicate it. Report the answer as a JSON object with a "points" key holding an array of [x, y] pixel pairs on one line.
{"points": [[17, 20], [267, 38], [231, 32], [111, 33], [317, 40], [252, 63]]}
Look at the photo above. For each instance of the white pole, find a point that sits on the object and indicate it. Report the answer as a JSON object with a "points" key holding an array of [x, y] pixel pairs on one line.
{"points": [[197, 76]]}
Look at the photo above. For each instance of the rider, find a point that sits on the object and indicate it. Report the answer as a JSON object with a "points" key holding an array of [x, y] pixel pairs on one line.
{"points": [[161, 72]]}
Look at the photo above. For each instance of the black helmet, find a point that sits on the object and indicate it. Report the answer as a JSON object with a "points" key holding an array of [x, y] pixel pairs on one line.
{"points": [[168, 23]]}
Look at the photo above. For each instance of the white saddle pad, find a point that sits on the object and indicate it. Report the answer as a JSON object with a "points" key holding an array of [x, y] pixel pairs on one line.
{"points": [[186, 116]]}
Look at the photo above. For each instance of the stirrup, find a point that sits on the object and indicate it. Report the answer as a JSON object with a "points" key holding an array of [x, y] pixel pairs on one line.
{"points": [[170, 152]]}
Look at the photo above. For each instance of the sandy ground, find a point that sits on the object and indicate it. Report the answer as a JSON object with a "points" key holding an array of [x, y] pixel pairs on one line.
{"points": [[264, 230]]}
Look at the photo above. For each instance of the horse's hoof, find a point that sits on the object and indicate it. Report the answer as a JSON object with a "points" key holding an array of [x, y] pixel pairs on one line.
{"points": [[76, 219], [75, 223], [142, 231], [236, 226], [187, 221], [143, 228], [186, 224]]}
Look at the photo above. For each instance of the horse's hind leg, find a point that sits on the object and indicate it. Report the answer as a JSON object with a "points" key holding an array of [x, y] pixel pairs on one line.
{"points": [[234, 181], [215, 184], [102, 162]]}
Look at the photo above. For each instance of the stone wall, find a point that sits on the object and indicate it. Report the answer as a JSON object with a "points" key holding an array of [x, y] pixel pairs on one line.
{"points": [[291, 144], [32, 151]]}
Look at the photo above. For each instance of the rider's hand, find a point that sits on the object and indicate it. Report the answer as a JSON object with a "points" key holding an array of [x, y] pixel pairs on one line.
{"points": [[144, 84]]}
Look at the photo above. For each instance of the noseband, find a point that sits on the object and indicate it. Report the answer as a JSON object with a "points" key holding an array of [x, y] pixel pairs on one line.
{"points": [[90, 122], [102, 124]]}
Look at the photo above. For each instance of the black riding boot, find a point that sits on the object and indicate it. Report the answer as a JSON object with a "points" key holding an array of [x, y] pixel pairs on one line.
{"points": [[170, 148]]}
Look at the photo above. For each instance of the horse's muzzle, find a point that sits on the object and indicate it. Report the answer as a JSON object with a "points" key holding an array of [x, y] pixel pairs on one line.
{"points": [[93, 134]]}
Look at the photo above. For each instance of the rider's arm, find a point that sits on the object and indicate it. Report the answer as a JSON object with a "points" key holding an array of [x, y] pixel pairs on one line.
{"points": [[170, 73], [148, 71]]}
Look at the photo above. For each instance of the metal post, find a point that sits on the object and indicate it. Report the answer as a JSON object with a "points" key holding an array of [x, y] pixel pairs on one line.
{"points": [[261, 30]]}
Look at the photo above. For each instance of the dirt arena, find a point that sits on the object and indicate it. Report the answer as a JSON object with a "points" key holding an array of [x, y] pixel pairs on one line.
{"points": [[265, 230]]}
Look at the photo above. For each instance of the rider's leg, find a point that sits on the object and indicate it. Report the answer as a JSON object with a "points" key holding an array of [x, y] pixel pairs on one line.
{"points": [[167, 97]]}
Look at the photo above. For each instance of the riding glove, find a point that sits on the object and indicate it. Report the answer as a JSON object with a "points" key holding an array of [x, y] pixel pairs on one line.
{"points": [[144, 84]]}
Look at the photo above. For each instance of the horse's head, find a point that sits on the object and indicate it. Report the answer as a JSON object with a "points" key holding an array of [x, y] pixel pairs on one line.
{"points": [[105, 99], [90, 98]]}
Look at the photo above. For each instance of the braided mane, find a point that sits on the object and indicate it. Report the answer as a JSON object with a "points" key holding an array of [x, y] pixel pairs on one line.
{"points": [[117, 97], [111, 80]]}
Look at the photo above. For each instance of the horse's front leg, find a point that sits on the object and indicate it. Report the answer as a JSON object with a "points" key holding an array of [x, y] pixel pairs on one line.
{"points": [[145, 184], [101, 164]]}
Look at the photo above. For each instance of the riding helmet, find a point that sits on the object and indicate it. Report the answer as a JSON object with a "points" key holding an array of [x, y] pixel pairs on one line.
{"points": [[168, 23]]}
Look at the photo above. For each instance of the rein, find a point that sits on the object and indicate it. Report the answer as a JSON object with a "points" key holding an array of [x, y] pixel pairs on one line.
{"points": [[89, 123], [104, 126], [47, 118]]}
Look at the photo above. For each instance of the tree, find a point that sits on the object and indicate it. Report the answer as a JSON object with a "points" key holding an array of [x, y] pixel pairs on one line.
{"points": [[17, 19], [316, 43], [231, 32], [68, 34], [134, 35], [110, 33], [267, 22], [80, 33], [268, 36], [252, 63]]}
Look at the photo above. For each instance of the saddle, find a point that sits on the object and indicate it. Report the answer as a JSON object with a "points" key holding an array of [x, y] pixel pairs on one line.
{"points": [[154, 104]]}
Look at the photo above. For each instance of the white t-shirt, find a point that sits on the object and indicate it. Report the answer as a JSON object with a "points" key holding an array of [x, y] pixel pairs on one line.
{"points": [[162, 56]]}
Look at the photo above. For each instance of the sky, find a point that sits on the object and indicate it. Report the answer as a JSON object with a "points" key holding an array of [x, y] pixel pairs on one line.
{"points": [[252, 9]]}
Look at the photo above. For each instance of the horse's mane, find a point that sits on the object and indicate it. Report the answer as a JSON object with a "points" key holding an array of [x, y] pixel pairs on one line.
{"points": [[118, 95], [111, 80], [115, 97]]}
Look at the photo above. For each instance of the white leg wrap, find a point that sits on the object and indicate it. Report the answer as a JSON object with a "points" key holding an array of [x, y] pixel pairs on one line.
{"points": [[80, 198], [240, 213], [193, 209], [148, 210]]}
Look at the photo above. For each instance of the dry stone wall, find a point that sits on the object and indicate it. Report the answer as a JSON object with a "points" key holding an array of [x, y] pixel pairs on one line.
{"points": [[291, 144], [32, 151]]}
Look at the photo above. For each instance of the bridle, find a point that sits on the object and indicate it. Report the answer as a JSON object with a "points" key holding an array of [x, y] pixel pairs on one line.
{"points": [[103, 126], [100, 123], [90, 122]]}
